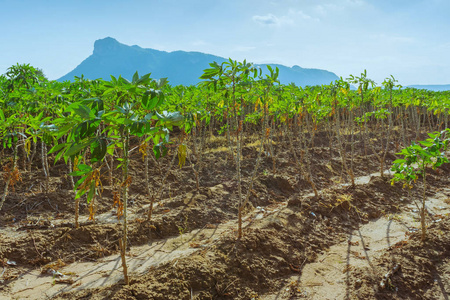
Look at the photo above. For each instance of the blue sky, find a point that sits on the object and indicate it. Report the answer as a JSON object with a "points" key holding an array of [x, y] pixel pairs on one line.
{"points": [[409, 39]]}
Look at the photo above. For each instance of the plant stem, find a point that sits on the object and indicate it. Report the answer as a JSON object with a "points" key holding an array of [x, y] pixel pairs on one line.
{"points": [[422, 213], [45, 165], [123, 240], [157, 194], [5, 191]]}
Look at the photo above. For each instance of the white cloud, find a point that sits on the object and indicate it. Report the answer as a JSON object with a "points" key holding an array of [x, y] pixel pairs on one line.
{"points": [[332, 7], [323, 9], [355, 2], [265, 20], [271, 20], [299, 14], [290, 19]]}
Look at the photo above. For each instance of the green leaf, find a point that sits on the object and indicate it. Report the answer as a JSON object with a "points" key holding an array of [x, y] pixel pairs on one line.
{"points": [[63, 130], [426, 143], [77, 173], [152, 99], [58, 156], [161, 82], [57, 148], [160, 150], [144, 79], [80, 181], [98, 149], [91, 191], [171, 118], [135, 78], [81, 110], [82, 170], [49, 128], [399, 161], [80, 193], [77, 147], [137, 128], [110, 149]]}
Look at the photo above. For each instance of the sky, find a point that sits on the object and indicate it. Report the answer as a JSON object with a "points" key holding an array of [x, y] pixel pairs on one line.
{"points": [[409, 39]]}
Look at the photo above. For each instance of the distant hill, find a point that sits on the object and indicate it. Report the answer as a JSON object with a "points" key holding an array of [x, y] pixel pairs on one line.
{"points": [[180, 67], [432, 87]]}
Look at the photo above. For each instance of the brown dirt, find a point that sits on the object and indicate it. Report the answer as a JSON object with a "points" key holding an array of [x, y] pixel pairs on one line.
{"points": [[190, 250], [424, 269]]}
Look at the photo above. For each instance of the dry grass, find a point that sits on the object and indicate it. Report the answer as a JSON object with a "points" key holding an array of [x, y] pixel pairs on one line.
{"points": [[218, 149], [252, 141], [257, 143]]}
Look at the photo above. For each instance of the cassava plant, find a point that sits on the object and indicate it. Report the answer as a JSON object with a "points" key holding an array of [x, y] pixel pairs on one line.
{"points": [[133, 116], [232, 78], [80, 125], [10, 140], [267, 84], [416, 159]]}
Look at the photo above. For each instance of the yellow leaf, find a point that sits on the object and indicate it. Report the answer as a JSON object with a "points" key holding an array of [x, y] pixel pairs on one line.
{"points": [[143, 149], [182, 150], [75, 163], [258, 103], [28, 146]]}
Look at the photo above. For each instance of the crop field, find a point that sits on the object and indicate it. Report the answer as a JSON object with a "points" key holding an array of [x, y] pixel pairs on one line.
{"points": [[236, 188]]}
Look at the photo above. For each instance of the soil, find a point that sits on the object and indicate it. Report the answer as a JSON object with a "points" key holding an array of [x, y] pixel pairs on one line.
{"points": [[294, 245]]}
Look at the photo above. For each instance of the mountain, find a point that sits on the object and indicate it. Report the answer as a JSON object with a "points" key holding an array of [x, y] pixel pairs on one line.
{"points": [[432, 87], [180, 67]]}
